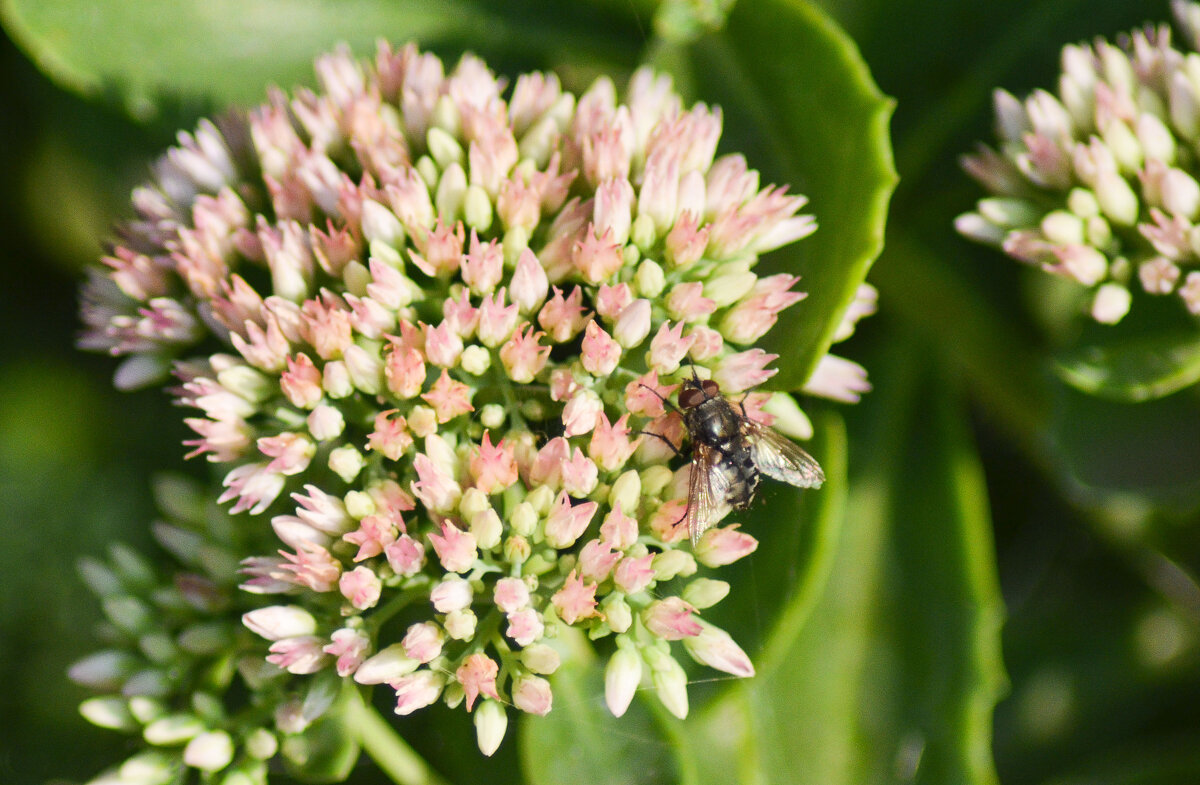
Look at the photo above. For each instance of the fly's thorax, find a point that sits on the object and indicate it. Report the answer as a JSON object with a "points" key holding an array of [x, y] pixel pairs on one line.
{"points": [[714, 423]]}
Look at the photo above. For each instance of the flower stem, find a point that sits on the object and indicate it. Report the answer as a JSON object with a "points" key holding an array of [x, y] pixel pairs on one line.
{"points": [[390, 752]]}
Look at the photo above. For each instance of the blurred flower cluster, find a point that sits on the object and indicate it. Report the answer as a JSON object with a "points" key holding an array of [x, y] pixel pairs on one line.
{"points": [[424, 329], [178, 667], [1099, 182]]}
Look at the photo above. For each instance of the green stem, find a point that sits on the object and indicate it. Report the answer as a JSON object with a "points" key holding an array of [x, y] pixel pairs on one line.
{"points": [[390, 752]]}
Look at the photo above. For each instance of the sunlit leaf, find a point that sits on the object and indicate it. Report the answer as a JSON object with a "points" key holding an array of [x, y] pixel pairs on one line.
{"points": [[225, 51], [1137, 369], [799, 102], [894, 674]]}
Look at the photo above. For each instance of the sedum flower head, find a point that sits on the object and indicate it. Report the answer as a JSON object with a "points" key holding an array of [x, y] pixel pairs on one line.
{"points": [[423, 326], [1097, 182]]}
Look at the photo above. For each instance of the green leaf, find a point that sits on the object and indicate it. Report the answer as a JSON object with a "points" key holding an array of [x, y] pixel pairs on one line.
{"points": [[799, 102], [895, 673], [329, 748], [1109, 450], [228, 51], [1134, 369], [580, 742]]}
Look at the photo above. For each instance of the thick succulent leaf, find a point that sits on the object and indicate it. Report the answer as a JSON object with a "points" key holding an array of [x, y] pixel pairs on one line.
{"points": [[895, 673], [1136, 369], [799, 102], [220, 52], [329, 748], [1112, 450]]}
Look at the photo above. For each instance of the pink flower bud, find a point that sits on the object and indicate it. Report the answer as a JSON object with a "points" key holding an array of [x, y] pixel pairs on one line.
{"points": [[406, 556], [567, 522], [451, 594], [597, 257], [668, 348], [721, 546], [581, 413], [611, 446], [301, 655], [529, 285], [455, 548], [532, 694], [563, 318], [391, 436], [596, 560], [741, 371], [291, 452], [575, 600], [417, 690], [301, 382], [671, 619], [423, 641], [483, 265], [525, 626], [713, 647], [496, 320], [449, 398], [511, 594], [633, 324], [276, 622], [634, 574], [521, 355], [361, 586], [349, 646], [600, 353], [477, 675], [493, 468], [618, 529]]}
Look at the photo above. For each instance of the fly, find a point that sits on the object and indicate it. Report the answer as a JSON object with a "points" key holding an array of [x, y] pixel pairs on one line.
{"points": [[729, 453]]}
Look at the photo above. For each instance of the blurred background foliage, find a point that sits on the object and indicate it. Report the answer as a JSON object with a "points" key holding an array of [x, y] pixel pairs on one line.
{"points": [[969, 463]]}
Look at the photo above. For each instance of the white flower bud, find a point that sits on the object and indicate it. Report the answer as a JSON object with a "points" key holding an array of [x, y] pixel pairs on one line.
{"points": [[325, 422], [477, 209], [211, 751], [387, 665], [622, 676], [379, 224], [626, 492], [705, 592], [650, 279], [276, 622], [346, 462], [172, 729], [790, 419], [461, 624], [451, 193], [1111, 303], [110, 712], [727, 289], [444, 148], [475, 360], [670, 682], [491, 723], [540, 658]]}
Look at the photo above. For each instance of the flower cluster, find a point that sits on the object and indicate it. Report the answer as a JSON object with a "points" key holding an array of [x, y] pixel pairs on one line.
{"points": [[178, 667], [1098, 183], [425, 327]]}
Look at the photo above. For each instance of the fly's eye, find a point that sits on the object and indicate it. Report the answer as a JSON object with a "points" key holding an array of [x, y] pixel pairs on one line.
{"points": [[711, 389], [690, 398]]}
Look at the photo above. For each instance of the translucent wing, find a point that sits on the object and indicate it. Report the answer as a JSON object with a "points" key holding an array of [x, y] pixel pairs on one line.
{"points": [[780, 458], [708, 486]]}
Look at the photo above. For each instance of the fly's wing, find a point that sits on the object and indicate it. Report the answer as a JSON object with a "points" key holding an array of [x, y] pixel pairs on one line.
{"points": [[707, 490], [780, 458]]}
